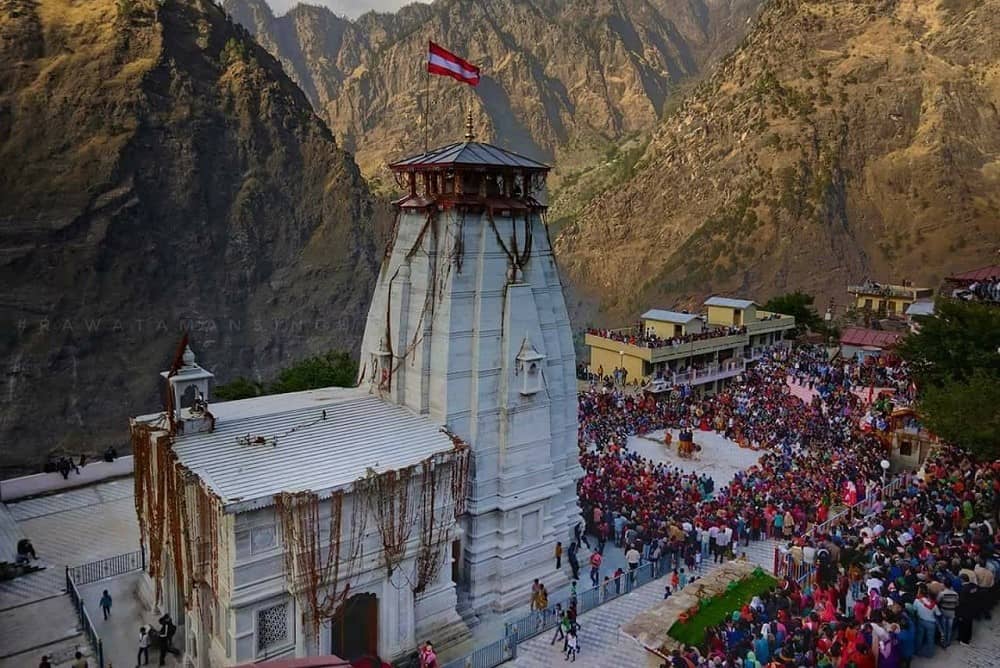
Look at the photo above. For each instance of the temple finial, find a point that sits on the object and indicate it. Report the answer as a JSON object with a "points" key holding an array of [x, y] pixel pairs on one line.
{"points": [[469, 134]]}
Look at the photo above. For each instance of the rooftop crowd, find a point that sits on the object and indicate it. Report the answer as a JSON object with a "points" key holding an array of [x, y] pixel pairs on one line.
{"points": [[647, 338], [916, 571]]}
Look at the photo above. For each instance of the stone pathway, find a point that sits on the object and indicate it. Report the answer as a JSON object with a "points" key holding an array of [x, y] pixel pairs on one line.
{"points": [[20, 634], [67, 529], [10, 534], [82, 535], [120, 632], [32, 587], [601, 643]]}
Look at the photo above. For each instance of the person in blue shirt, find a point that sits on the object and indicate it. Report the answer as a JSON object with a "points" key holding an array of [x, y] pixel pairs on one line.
{"points": [[907, 638], [762, 649]]}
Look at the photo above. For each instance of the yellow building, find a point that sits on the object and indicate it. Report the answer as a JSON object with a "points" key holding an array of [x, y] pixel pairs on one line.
{"points": [[669, 348], [885, 298]]}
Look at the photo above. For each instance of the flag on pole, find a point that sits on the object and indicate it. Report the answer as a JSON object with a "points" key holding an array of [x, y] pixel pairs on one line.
{"points": [[447, 64]]}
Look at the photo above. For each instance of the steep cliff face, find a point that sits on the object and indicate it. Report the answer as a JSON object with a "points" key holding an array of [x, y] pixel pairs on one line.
{"points": [[561, 79], [158, 171], [844, 139]]}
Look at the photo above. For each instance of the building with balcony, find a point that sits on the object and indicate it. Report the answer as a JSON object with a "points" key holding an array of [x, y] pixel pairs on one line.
{"points": [[886, 299], [669, 348]]}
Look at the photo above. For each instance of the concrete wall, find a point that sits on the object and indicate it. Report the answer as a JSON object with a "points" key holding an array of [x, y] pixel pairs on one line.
{"points": [[728, 317], [45, 483], [259, 583], [609, 360]]}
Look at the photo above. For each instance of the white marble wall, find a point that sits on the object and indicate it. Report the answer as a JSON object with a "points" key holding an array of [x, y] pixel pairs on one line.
{"points": [[456, 323], [258, 582]]}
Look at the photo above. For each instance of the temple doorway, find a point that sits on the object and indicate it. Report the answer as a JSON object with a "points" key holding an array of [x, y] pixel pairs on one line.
{"points": [[355, 633]]}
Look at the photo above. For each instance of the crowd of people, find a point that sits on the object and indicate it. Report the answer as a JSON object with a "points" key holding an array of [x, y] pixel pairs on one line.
{"points": [[645, 337], [931, 535]]}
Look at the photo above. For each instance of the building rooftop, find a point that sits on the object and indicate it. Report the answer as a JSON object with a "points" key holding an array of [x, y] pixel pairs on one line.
{"points": [[920, 307], [729, 302], [981, 274], [905, 291], [318, 440], [669, 316], [874, 338], [468, 154]]}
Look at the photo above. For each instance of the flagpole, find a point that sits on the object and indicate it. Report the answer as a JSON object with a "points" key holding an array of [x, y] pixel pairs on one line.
{"points": [[427, 102]]}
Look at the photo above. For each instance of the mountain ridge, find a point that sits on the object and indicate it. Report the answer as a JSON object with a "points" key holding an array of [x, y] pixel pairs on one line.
{"points": [[160, 174], [561, 80], [842, 140]]}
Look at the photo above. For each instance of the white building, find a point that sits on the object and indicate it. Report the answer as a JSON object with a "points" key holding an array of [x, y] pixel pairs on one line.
{"points": [[466, 407], [468, 326]]}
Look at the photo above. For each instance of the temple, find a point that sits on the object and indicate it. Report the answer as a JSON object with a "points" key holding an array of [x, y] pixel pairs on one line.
{"points": [[360, 521], [468, 326]]}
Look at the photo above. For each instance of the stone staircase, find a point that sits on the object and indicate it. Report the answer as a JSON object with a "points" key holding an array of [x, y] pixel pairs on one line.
{"points": [[10, 533], [31, 586], [601, 642]]}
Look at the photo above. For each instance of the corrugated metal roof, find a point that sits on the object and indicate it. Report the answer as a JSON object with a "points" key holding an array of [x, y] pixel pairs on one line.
{"points": [[921, 307], [468, 154], [669, 316], [877, 338], [980, 274], [729, 302], [301, 449]]}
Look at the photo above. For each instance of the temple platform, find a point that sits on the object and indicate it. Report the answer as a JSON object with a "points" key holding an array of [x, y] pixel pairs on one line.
{"points": [[720, 458]]}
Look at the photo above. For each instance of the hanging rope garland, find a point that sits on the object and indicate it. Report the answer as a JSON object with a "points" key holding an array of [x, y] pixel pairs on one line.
{"points": [[142, 447], [433, 531], [389, 501], [460, 465], [517, 257], [312, 570], [177, 514], [387, 374]]}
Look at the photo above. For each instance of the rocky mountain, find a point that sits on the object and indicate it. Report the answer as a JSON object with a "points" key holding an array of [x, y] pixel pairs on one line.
{"points": [[843, 139], [562, 79], [159, 172]]}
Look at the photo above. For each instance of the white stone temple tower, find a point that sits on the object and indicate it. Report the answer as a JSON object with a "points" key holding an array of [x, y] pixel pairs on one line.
{"points": [[468, 326]]}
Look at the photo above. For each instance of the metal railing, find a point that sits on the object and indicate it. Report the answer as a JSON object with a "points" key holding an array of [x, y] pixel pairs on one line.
{"points": [[539, 621], [85, 621], [109, 568], [491, 655], [802, 571]]}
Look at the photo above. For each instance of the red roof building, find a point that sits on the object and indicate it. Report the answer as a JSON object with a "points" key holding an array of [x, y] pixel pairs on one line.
{"points": [[981, 274], [860, 337]]}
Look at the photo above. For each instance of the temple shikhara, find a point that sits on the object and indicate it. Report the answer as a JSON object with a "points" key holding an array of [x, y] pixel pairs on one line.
{"points": [[362, 521]]}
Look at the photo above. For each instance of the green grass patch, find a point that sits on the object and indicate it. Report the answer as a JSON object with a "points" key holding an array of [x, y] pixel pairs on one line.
{"points": [[692, 632]]}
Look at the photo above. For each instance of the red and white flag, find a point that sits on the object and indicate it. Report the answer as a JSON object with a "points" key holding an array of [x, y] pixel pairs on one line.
{"points": [[447, 64]]}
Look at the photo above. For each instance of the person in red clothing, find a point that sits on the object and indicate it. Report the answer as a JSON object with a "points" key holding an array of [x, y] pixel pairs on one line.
{"points": [[861, 610], [595, 567], [860, 656]]}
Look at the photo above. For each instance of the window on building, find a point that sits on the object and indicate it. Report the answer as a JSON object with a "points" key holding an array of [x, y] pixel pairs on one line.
{"points": [[868, 304], [256, 540], [906, 448], [272, 627], [262, 538]]}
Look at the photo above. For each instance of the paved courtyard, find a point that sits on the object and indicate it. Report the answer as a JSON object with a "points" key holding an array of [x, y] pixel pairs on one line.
{"points": [[67, 529], [720, 458]]}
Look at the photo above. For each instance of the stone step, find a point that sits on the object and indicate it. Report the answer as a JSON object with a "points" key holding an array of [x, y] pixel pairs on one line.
{"points": [[10, 533]]}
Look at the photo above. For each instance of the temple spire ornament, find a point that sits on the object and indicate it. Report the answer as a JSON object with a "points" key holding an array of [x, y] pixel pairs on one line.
{"points": [[469, 134]]}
